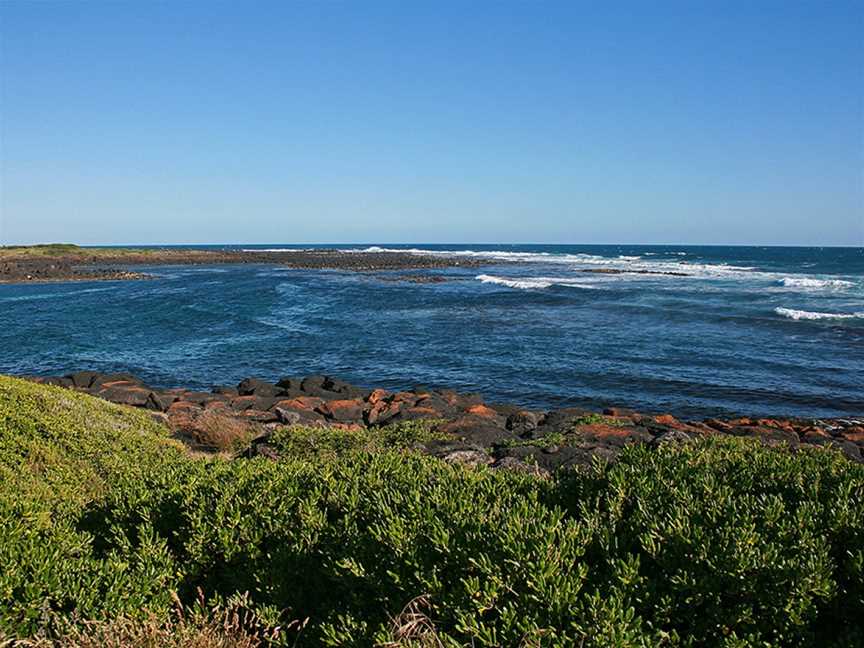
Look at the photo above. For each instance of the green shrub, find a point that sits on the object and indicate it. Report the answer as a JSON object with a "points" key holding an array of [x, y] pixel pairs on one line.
{"points": [[723, 542], [310, 442]]}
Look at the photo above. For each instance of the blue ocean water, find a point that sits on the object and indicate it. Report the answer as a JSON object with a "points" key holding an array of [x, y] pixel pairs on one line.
{"points": [[762, 331]]}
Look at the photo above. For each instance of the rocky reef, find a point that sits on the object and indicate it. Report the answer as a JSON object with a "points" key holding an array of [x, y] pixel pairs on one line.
{"points": [[467, 429], [71, 263]]}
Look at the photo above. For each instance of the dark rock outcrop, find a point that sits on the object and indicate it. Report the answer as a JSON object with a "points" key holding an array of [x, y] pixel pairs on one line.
{"points": [[472, 432]]}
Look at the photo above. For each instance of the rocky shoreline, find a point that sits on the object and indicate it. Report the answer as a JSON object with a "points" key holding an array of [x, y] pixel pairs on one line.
{"points": [[81, 264], [467, 430]]}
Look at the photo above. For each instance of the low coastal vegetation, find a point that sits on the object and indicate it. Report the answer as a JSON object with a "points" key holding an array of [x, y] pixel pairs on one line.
{"points": [[65, 249], [112, 533]]}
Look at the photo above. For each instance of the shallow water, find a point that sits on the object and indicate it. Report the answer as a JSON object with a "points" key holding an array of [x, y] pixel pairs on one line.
{"points": [[750, 330]]}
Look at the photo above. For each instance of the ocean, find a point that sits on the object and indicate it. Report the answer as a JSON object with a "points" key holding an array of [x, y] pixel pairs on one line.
{"points": [[725, 330]]}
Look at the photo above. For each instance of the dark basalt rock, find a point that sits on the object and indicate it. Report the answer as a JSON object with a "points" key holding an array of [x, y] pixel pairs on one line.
{"points": [[160, 401], [101, 379], [83, 379], [522, 422], [344, 411], [478, 431], [125, 394], [289, 384], [563, 419], [611, 435], [560, 439], [256, 387]]}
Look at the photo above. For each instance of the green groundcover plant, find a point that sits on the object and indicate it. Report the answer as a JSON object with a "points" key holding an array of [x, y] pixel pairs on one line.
{"points": [[724, 542]]}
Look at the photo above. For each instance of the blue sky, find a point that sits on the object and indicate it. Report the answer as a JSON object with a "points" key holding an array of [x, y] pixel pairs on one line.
{"points": [[571, 122]]}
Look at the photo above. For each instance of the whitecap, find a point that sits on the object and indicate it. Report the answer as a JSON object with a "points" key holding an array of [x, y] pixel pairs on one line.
{"points": [[809, 282], [535, 282], [791, 313], [524, 284]]}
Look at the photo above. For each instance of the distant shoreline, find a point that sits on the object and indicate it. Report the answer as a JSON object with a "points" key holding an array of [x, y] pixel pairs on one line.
{"points": [[59, 263]]}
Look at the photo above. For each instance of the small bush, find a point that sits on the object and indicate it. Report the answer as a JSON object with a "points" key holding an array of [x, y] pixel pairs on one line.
{"points": [[218, 432]]}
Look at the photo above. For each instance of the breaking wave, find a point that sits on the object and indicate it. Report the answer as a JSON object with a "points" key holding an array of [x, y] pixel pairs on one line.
{"points": [[807, 282], [534, 283], [791, 313]]}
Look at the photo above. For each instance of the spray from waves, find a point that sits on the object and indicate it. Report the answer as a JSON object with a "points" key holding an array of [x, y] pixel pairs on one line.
{"points": [[791, 313], [534, 283], [808, 282]]}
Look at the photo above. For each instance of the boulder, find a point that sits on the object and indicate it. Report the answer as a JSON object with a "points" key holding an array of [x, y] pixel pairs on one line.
{"points": [[478, 431], [257, 387], [287, 416], [460, 401], [485, 412], [125, 394], [300, 404], [342, 410], [611, 435], [101, 379], [83, 379], [410, 414], [522, 422], [289, 384], [260, 416], [346, 390], [202, 397], [160, 401], [377, 395], [314, 385], [562, 420], [437, 404], [381, 412]]}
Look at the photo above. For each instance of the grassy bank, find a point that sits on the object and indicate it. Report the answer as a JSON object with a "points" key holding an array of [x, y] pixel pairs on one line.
{"points": [[48, 250], [720, 543]]}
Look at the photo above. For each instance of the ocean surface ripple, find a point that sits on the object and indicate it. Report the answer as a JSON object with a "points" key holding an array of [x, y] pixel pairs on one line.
{"points": [[696, 331]]}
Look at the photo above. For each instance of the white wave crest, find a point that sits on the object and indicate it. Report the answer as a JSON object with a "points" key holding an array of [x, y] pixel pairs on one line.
{"points": [[524, 284], [535, 282], [791, 313], [808, 282]]}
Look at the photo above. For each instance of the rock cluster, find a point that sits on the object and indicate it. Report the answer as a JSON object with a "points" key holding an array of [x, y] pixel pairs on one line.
{"points": [[470, 431]]}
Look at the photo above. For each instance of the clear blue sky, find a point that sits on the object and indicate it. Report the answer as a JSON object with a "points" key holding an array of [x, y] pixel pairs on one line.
{"points": [[560, 122]]}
